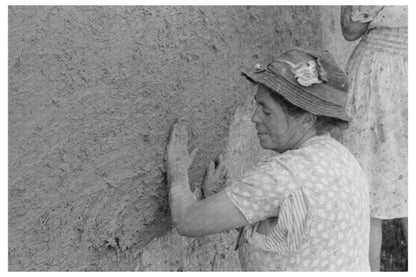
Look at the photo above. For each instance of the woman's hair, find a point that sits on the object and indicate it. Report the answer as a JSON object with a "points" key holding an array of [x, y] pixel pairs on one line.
{"points": [[323, 123]]}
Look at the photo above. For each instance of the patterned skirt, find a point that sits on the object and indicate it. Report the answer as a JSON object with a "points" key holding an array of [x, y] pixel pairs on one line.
{"points": [[377, 102]]}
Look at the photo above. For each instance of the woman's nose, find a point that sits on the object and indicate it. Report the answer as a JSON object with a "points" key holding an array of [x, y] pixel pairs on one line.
{"points": [[255, 118]]}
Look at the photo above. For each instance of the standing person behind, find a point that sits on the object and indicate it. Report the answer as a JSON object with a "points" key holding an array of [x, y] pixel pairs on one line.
{"points": [[305, 209], [377, 136]]}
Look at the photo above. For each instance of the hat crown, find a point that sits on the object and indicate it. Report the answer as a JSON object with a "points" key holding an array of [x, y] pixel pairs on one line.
{"points": [[308, 79], [328, 70]]}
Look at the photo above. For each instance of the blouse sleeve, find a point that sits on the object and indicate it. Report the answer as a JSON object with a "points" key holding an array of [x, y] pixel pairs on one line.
{"points": [[293, 224], [260, 192], [391, 17]]}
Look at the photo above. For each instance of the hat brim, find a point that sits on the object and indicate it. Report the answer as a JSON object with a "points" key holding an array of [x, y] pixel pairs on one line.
{"points": [[297, 96]]}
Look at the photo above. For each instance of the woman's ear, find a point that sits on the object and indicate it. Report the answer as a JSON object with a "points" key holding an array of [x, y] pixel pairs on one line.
{"points": [[308, 121]]}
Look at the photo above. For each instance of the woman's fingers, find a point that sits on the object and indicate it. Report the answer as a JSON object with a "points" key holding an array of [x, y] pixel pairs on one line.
{"points": [[209, 172], [215, 175], [210, 169], [207, 183], [178, 135], [193, 154], [219, 160], [223, 173], [221, 169], [177, 148]]}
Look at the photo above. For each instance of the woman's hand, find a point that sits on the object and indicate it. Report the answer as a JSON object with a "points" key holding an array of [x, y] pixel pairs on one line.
{"points": [[178, 159], [215, 177], [190, 216], [351, 30]]}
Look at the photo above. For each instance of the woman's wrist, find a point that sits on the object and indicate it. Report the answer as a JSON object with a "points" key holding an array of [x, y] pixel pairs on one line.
{"points": [[176, 171]]}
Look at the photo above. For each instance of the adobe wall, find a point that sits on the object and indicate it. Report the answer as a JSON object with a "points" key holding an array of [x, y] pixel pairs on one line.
{"points": [[93, 92]]}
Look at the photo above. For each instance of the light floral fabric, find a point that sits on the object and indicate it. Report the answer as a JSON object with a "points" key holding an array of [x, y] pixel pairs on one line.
{"points": [[380, 16], [319, 194], [377, 102]]}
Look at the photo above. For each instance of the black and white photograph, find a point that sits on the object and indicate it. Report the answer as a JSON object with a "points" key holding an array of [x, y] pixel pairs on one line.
{"points": [[207, 138]]}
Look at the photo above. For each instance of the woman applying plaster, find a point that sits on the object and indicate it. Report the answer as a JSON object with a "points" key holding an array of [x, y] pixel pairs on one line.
{"points": [[305, 209]]}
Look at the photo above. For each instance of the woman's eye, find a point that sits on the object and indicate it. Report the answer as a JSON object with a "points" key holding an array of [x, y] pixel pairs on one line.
{"points": [[267, 112]]}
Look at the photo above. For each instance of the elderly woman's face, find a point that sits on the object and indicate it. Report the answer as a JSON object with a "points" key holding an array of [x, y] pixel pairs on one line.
{"points": [[276, 129]]}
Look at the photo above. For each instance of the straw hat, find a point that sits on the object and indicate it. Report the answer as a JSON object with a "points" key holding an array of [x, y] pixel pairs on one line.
{"points": [[308, 79]]}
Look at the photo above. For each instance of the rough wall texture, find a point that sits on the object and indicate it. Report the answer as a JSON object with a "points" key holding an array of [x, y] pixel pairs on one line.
{"points": [[93, 92], [216, 252], [332, 37]]}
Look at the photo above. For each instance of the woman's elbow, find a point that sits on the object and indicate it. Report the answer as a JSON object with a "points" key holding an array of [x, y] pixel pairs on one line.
{"points": [[354, 31], [185, 229], [351, 36]]}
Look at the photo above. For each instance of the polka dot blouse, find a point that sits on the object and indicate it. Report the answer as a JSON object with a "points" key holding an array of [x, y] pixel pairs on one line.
{"points": [[308, 210]]}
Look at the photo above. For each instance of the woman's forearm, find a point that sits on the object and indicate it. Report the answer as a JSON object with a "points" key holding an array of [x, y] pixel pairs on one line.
{"points": [[351, 30], [194, 218], [180, 198], [190, 216]]}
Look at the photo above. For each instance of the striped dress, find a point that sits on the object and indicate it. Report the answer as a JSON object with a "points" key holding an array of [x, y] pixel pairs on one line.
{"points": [[308, 210], [377, 103]]}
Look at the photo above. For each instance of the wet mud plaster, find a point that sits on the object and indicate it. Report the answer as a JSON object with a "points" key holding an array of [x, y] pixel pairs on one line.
{"points": [[93, 92], [215, 252]]}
